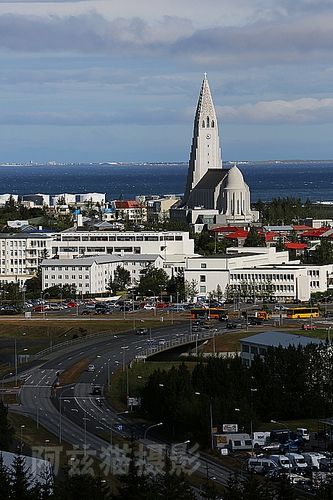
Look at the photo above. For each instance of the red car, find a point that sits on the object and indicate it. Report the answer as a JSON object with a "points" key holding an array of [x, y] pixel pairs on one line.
{"points": [[308, 327], [40, 308], [161, 305], [72, 304]]}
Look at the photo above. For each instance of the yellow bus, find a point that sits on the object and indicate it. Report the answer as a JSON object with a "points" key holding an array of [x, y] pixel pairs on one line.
{"points": [[303, 312]]}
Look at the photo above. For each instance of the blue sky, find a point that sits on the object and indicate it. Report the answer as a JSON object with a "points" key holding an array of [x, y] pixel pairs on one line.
{"points": [[108, 80]]}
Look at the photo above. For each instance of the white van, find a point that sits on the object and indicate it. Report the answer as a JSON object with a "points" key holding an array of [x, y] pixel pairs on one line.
{"points": [[304, 433], [260, 439], [297, 460], [260, 465], [281, 461], [313, 458]]}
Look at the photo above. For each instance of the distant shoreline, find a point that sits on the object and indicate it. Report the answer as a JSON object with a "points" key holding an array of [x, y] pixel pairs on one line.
{"points": [[167, 164]]}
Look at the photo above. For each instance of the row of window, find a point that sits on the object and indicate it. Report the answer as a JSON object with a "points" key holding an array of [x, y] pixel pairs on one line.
{"points": [[80, 285], [61, 268], [254, 350], [66, 277], [262, 277], [313, 273], [124, 237]]}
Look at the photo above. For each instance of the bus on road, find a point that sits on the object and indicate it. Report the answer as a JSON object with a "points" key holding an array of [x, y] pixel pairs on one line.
{"points": [[303, 312], [209, 313]]}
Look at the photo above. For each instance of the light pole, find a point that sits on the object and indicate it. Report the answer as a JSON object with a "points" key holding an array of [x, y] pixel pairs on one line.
{"points": [[85, 419], [60, 411], [210, 420], [15, 360], [108, 367], [24, 289], [111, 437], [151, 427], [21, 438], [287, 428], [252, 390], [3, 384], [124, 347], [43, 295]]}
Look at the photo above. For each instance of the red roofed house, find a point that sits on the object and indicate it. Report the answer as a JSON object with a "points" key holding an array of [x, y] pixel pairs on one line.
{"points": [[295, 249], [130, 210]]}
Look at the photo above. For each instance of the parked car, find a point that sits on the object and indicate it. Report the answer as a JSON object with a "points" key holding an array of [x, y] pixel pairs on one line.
{"points": [[86, 312], [91, 368], [71, 304], [41, 308], [292, 446], [261, 465]]}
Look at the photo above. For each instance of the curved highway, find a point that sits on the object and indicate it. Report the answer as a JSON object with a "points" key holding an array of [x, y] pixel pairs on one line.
{"points": [[75, 416]]}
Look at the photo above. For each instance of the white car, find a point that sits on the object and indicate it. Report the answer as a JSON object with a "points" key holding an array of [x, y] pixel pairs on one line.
{"points": [[91, 368], [149, 307]]}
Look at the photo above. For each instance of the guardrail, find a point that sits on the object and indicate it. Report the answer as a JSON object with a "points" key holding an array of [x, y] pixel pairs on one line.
{"points": [[169, 344], [56, 347]]}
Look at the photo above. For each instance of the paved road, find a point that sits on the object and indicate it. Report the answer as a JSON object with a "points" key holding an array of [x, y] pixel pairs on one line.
{"points": [[74, 415]]}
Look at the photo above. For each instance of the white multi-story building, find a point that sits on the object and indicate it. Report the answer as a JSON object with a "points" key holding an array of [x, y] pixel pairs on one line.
{"points": [[91, 198], [255, 270], [21, 255], [4, 198], [91, 275], [71, 243]]}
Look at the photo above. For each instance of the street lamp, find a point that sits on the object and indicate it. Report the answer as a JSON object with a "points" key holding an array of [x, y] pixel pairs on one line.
{"points": [[108, 367], [21, 438], [287, 428], [124, 347], [252, 390], [151, 427], [3, 384], [210, 419], [111, 438], [85, 419], [43, 295], [60, 411]]}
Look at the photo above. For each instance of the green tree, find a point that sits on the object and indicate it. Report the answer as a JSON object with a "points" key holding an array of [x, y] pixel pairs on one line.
{"points": [[170, 484], [323, 254], [22, 484], [120, 281], [191, 289], [6, 430], [254, 239], [5, 486], [135, 484], [82, 487], [152, 281], [176, 287]]}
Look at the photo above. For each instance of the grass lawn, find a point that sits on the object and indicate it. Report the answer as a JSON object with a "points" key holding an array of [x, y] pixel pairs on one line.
{"points": [[33, 335], [309, 423]]}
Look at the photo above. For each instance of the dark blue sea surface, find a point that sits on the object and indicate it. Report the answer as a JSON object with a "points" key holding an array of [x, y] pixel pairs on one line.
{"points": [[313, 180]]}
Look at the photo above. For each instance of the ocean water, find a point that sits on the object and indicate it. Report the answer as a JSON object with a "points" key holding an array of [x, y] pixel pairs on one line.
{"points": [[313, 180]]}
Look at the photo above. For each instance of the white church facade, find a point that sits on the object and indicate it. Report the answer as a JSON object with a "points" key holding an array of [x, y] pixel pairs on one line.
{"points": [[213, 194]]}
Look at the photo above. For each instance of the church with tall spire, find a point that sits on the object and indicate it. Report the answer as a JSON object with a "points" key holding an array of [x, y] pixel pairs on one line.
{"points": [[213, 193]]}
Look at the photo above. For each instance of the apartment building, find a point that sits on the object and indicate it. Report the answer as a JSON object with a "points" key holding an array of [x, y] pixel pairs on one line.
{"points": [[91, 275], [21, 254]]}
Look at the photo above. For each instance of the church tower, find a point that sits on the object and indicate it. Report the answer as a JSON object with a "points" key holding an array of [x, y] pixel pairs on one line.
{"points": [[205, 151]]}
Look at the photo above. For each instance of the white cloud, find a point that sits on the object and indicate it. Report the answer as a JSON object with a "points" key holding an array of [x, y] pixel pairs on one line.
{"points": [[300, 111]]}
